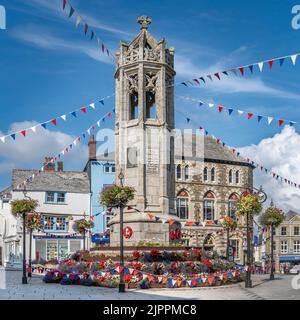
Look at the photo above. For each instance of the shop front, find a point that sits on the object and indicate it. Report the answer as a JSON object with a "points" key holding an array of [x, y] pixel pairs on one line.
{"points": [[286, 263], [56, 247]]}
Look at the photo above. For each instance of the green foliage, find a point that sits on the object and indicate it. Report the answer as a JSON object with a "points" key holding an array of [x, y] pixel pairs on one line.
{"points": [[23, 206], [272, 216], [116, 196], [229, 224], [83, 225], [33, 221], [248, 204]]}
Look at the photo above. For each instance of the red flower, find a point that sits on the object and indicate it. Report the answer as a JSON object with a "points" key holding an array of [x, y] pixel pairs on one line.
{"points": [[208, 263], [155, 252], [136, 254]]}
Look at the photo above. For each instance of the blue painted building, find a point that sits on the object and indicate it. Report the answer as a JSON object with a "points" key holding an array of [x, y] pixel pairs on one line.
{"points": [[101, 171]]}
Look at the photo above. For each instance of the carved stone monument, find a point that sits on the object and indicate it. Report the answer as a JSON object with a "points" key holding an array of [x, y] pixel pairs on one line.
{"points": [[144, 150]]}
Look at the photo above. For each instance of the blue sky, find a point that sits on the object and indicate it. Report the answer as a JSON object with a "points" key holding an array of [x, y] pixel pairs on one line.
{"points": [[48, 68]]}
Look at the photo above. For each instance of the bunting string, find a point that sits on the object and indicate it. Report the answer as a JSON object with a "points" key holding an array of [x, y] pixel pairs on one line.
{"points": [[88, 31], [219, 75], [270, 172], [55, 121], [250, 115], [66, 150]]}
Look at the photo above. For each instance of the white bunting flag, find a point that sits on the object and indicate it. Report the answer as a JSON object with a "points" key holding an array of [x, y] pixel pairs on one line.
{"points": [[78, 20], [211, 105], [33, 129], [204, 279], [203, 223], [159, 279], [92, 105], [89, 132], [240, 112], [294, 58], [260, 66], [173, 282], [98, 123], [64, 117], [131, 270], [189, 282], [75, 142], [221, 277], [270, 119], [3, 139]]}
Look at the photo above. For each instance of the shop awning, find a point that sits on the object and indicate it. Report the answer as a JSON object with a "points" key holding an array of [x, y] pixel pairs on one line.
{"points": [[289, 258]]}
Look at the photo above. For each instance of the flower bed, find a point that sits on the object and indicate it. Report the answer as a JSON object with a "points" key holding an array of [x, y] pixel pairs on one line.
{"points": [[154, 269]]}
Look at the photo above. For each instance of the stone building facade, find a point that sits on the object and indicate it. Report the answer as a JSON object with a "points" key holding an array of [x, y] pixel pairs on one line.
{"points": [[208, 186], [286, 243]]}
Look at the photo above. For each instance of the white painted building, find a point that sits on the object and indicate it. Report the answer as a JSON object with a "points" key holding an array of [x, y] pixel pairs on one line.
{"points": [[63, 198]]}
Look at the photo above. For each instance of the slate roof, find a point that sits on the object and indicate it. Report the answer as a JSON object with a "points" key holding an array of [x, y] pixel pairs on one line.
{"points": [[207, 149], [66, 181], [290, 215]]}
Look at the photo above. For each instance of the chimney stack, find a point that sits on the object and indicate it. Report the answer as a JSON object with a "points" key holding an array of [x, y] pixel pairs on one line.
{"points": [[60, 166], [49, 166], [92, 148]]}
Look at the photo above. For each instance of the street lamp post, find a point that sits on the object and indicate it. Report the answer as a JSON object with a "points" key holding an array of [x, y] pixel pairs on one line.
{"points": [[122, 283], [262, 198], [24, 277], [272, 247]]}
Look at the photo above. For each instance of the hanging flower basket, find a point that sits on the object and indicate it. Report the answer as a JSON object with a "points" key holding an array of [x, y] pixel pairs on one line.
{"points": [[116, 196], [229, 224], [83, 225], [248, 204]]}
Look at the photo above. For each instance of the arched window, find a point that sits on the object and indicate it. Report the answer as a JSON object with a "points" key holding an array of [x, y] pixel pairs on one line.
{"points": [[209, 206], [178, 172], [230, 176], [212, 175], [134, 109], [205, 174], [232, 206], [183, 204], [237, 177], [186, 172]]}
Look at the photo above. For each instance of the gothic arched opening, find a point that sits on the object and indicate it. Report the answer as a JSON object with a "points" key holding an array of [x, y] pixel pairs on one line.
{"points": [[133, 107], [151, 111]]}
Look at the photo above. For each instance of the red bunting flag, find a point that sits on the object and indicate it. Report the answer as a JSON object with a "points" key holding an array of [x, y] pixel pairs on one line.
{"points": [[23, 133], [250, 115], [64, 4], [109, 115], [280, 122], [270, 62], [83, 109], [54, 121], [242, 70], [220, 108], [151, 216]]}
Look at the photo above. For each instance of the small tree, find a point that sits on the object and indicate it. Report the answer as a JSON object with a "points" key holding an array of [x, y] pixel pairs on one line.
{"points": [[83, 226], [23, 207], [228, 225], [116, 196], [272, 217]]}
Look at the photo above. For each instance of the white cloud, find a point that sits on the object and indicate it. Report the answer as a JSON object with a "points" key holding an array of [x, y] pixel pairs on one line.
{"points": [[41, 38], [29, 152], [280, 154]]}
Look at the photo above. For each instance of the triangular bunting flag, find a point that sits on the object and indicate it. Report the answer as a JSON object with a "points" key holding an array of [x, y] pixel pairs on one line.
{"points": [[230, 111], [23, 133], [280, 122], [218, 76], [251, 68], [260, 66], [78, 20], [64, 117], [242, 70], [259, 118], [281, 61], [71, 12], [270, 119], [294, 58], [54, 122], [270, 62]]}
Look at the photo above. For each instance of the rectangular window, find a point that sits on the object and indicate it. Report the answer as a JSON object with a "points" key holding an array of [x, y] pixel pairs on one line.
{"points": [[55, 223], [55, 197], [150, 105], [49, 223], [296, 231], [283, 231], [106, 168], [208, 210], [297, 246], [50, 196], [284, 246], [134, 109], [182, 208], [236, 248], [61, 197], [113, 168]]}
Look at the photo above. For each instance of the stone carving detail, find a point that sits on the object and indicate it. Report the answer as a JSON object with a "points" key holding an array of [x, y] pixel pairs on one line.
{"points": [[152, 54], [151, 81], [131, 55], [132, 83]]}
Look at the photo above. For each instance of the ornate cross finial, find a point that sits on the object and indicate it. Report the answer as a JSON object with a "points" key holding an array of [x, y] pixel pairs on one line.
{"points": [[144, 21]]}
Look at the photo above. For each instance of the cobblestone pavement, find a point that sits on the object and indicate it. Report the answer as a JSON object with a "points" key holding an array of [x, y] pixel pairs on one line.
{"points": [[263, 289]]}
